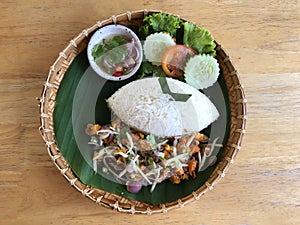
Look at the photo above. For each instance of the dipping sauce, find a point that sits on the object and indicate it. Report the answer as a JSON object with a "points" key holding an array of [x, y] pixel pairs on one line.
{"points": [[116, 55]]}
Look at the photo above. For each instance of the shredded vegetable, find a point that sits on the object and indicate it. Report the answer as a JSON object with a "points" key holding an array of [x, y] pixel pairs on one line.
{"points": [[134, 158]]}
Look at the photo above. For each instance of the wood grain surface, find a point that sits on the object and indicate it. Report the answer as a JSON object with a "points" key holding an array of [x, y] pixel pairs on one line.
{"points": [[262, 38]]}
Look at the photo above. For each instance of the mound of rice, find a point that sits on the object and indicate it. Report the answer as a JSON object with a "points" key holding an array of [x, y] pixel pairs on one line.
{"points": [[142, 105]]}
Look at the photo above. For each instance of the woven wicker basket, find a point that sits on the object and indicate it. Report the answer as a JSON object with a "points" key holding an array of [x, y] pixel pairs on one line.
{"points": [[119, 203]]}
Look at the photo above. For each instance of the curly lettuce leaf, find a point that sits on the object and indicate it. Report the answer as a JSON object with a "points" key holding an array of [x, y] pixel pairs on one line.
{"points": [[198, 39], [160, 22]]}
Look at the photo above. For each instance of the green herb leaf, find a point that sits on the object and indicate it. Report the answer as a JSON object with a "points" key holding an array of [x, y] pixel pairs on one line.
{"points": [[198, 39], [150, 161], [98, 51], [147, 69], [151, 139], [123, 132], [115, 42]]}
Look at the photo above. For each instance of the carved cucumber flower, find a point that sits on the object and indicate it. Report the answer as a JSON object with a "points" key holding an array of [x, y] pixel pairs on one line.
{"points": [[201, 71]]}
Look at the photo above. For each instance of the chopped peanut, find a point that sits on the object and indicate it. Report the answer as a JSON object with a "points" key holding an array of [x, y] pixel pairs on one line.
{"points": [[92, 129], [145, 145], [192, 166], [135, 137], [141, 135], [116, 123], [200, 137], [179, 172], [167, 154], [194, 149], [121, 150], [175, 179], [168, 148]]}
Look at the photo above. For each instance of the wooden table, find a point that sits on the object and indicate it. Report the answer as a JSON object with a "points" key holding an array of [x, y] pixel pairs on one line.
{"points": [[262, 38]]}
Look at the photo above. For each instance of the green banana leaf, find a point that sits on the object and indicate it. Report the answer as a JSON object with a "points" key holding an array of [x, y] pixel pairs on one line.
{"points": [[81, 99]]}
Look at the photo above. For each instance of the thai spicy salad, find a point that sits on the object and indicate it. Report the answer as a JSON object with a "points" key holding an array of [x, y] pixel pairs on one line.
{"points": [[137, 159]]}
